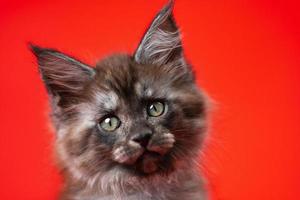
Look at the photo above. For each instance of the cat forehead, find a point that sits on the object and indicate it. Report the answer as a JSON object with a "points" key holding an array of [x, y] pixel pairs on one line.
{"points": [[122, 74], [119, 79], [111, 100], [114, 96], [115, 59]]}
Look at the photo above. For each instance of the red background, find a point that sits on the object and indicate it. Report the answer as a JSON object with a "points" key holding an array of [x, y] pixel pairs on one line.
{"points": [[245, 53]]}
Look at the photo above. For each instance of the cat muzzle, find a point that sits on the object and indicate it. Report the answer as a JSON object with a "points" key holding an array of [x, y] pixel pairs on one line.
{"points": [[145, 152]]}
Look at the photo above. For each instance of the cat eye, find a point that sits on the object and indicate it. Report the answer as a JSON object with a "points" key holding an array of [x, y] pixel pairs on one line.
{"points": [[110, 123], [155, 109]]}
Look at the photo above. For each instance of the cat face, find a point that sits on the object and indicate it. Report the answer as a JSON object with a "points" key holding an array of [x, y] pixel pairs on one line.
{"points": [[141, 114]]}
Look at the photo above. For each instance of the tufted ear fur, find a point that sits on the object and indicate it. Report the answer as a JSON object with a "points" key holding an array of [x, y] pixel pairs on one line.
{"points": [[64, 76], [161, 44]]}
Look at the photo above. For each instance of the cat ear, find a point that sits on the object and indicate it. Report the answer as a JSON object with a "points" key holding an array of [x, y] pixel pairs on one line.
{"points": [[63, 75], [161, 44]]}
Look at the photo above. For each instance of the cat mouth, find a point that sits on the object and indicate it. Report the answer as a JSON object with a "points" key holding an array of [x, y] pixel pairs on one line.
{"points": [[146, 159], [148, 162], [145, 162]]}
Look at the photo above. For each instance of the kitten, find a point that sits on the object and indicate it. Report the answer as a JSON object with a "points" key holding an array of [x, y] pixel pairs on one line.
{"points": [[131, 127]]}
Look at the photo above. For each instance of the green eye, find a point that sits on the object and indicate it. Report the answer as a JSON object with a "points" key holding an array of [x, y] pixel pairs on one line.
{"points": [[155, 109], [110, 123]]}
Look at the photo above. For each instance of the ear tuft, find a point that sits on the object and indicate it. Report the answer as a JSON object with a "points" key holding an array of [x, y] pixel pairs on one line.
{"points": [[161, 44], [63, 75], [35, 49]]}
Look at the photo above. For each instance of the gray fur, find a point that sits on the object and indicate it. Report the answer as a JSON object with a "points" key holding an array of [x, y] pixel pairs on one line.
{"points": [[101, 165]]}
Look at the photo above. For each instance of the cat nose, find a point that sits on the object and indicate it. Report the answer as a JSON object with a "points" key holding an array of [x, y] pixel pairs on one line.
{"points": [[142, 139]]}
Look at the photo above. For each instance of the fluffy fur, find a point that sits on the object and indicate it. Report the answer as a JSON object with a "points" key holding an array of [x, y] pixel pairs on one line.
{"points": [[100, 165]]}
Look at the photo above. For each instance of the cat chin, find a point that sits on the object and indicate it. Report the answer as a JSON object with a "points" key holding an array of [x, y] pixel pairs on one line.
{"points": [[149, 164]]}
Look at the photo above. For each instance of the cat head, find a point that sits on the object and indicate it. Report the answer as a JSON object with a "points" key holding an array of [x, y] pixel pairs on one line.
{"points": [[141, 113]]}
